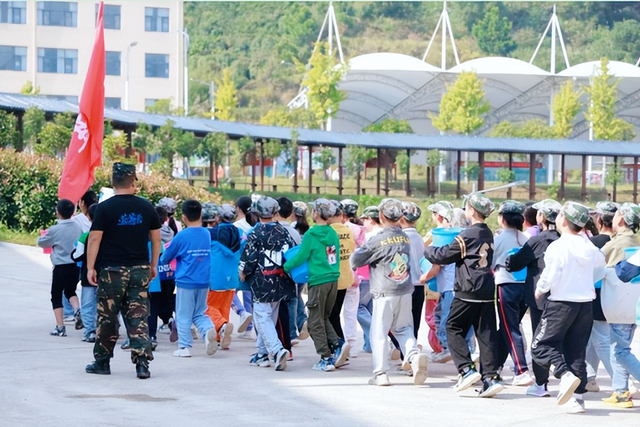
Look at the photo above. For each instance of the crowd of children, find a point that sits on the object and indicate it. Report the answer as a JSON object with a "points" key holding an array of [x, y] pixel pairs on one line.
{"points": [[375, 270]]}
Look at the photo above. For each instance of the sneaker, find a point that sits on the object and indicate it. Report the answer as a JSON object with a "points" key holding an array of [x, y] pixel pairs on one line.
{"points": [[59, 331], [380, 379], [325, 365], [592, 386], [304, 331], [194, 332], [280, 359], [164, 329], [126, 345], [69, 319], [225, 335], [568, 384], [99, 368], [419, 366], [442, 357], [247, 335], [210, 343], [90, 338], [490, 387], [575, 406], [173, 335], [538, 390], [295, 342], [619, 400], [142, 369], [245, 320], [466, 380], [341, 354], [182, 352], [260, 360], [78, 320], [522, 380], [154, 344]]}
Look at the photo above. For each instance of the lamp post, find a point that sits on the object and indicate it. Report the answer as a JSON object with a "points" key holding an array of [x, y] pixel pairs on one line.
{"points": [[126, 80], [186, 70]]}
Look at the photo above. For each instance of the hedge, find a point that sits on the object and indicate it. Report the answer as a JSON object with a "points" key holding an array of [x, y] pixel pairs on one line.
{"points": [[29, 187]]}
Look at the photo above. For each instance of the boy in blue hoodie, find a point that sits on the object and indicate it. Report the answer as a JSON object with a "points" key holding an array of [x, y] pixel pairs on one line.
{"points": [[192, 248]]}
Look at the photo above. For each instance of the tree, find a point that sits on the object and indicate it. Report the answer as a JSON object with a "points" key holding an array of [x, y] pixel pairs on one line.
{"points": [[53, 139], [272, 149], [292, 118], [185, 144], [326, 159], [164, 107], [163, 142], [493, 33], [566, 105], [143, 138], [213, 147], [226, 97], [389, 125], [462, 106], [357, 158], [290, 152], [32, 123], [9, 135], [602, 108], [29, 89], [113, 147]]}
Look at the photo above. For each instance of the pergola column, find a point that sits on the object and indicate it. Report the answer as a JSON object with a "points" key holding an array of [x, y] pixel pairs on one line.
{"points": [[634, 179], [340, 171], [583, 195], [408, 188], [614, 194], [480, 170], [253, 166], [532, 176], [457, 169], [562, 177], [295, 171], [310, 169], [378, 171], [262, 165], [510, 166]]}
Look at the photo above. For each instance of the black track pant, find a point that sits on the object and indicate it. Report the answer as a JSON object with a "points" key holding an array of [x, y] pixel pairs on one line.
{"points": [[334, 318], [541, 374], [417, 301], [482, 316], [561, 339]]}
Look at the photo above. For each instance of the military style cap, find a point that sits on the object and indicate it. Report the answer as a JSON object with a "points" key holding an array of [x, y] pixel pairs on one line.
{"points": [[209, 211], [227, 213], [168, 204], [411, 211], [265, 207], [300, 208], [325, 208], [443, 208], [371, 212], [481, 203], [511, 207], [338, 206], [349, 207], [630, 213], [606, 208], [549, 208], [391, 209], [121, 170], [576, 213]]}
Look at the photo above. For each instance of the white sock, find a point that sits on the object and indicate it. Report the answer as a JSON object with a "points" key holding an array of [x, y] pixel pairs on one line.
{"points": [[578, 396]]}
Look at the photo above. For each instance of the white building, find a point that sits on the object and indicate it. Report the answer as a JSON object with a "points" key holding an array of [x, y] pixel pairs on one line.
{"points": [[49, 44]]}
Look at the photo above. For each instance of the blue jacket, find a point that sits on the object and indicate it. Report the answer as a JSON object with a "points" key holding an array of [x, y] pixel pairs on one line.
{"points": [[226, 248], [192, 250]]}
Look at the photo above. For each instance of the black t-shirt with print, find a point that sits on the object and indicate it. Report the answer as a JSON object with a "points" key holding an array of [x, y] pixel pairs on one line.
{"points": [[125, 221]]}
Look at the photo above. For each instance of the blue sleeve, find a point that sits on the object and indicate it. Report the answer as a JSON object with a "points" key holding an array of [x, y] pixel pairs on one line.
{"points": [[627, 271], [171, 252]]}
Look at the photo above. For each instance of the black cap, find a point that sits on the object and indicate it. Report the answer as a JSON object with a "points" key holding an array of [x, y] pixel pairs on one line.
{"points": [[121, 170], [244, 203]]}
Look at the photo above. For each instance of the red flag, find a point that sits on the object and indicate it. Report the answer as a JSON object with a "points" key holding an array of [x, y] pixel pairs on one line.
{"points": [[85, 149]]}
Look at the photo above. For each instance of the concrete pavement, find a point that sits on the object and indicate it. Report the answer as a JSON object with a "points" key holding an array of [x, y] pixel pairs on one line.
{"points": [[43, 383]]}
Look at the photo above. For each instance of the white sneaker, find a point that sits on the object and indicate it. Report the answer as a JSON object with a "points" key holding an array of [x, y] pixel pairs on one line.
{"points": [[164, 329], [568, 384], [575, 406], [245, 319], [194, 332], [210, 342], [280, 359], [182, 352], [381, 380], [592, 386], [419, 366], [522, 380], [442, 357], [225, 335], [538, 390], [247, 335]]}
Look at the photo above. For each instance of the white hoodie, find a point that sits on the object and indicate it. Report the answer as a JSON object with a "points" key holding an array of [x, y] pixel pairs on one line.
{"points": [[570, 263]]}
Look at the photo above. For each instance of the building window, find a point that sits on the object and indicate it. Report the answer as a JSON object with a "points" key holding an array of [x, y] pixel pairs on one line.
{"points": [[112, 103], [13, 12], [156, 19], [113, 63], [156, 65], [58, 13], [148, 102], [111, 16], [13, 58], [63, 61]]}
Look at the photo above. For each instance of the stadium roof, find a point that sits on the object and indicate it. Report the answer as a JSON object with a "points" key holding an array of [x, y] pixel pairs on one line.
{"points": [[121, 118]]}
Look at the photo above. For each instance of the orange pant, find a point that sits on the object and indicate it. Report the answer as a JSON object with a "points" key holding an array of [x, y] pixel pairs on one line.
{"points": [[218, 307]]}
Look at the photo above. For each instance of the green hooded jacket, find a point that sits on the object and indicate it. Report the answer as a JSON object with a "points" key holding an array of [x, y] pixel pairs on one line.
{"points": [[320, 247]]}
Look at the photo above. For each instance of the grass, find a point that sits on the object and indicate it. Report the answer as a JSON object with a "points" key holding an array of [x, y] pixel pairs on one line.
{"points": [[16, 236]]}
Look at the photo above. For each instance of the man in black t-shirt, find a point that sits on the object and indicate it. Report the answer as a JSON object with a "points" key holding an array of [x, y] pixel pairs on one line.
{"points": [[118, 249]]}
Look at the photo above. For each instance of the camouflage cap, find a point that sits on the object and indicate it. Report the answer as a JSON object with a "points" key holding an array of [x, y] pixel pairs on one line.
{"points": [[480, 203], [606, 208], [338, 206], [511, 207], [227, 213], [576, 213], [391, 209], [371, 212], [209, 211], [411, 211], [168, 204], [550, 209], [300, 208], [265, 207], [325, 208], [630, 213], [349, 207], [443, 208], [121, 170]]}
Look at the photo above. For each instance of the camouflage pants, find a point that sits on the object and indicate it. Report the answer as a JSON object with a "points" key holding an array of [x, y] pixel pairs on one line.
{"points": [[126, 290]]}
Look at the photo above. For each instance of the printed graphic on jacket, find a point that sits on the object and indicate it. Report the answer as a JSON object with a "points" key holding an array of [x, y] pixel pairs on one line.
{"points": [[399, 267], [331, 255]]}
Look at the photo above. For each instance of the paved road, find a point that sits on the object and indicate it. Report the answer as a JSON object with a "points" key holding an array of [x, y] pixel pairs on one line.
{"points": [[42, 381]]}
